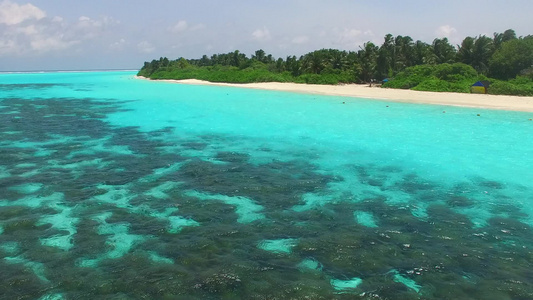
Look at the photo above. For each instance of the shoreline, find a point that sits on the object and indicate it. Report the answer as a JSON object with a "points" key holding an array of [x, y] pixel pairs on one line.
{"points": [[496, 102]]}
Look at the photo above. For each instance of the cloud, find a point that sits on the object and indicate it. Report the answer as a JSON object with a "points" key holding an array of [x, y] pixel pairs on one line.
{"points": [[348, 37], [198, 27], [118, 45], [12, 13], [179, 27], [445, 31], [86, 28], [27, 31], [50, 43], [302, 39], [6, 46], [184, 26], [57, 19], [145, 47], [261, 35]]}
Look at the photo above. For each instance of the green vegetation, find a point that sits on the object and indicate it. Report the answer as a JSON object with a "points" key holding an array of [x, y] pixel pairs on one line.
{"points": [[235, 67], [457, 77], [505, 60]]}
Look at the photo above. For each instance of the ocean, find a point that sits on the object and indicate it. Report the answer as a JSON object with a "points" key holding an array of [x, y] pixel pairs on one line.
{"points": [[112, 187]]}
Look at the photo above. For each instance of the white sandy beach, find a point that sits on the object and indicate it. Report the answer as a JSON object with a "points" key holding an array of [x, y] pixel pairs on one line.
{"points": [[500, 102]]}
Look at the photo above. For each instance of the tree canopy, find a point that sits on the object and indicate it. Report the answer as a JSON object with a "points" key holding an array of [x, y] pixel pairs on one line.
{"points": [[502, 57]]}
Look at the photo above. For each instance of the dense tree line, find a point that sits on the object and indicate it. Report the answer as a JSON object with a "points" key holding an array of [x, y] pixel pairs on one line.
{"points": [[503, 56]]}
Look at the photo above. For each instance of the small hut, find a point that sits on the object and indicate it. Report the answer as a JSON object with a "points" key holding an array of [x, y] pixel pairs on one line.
{"points": [[480, 87]]}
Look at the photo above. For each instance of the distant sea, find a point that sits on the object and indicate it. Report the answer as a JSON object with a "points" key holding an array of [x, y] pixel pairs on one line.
{"points": [[113, 187]]}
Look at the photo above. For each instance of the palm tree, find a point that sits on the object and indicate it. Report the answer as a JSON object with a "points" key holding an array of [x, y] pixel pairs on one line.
{"points": [[443, 51], [204, 61], [483, 50], [476, 52], [465, 54], [367, 58], [403, 46], [313, 62], [500, 38], [293, 65], [259, 55], [420, 52], [338, 59], [385, 57]]}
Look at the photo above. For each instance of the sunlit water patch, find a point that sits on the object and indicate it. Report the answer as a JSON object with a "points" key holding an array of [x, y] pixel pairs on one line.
{"points": [[113, 187]]}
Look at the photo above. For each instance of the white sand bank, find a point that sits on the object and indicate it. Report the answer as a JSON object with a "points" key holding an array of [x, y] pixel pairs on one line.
{"points": [[364, 91]]}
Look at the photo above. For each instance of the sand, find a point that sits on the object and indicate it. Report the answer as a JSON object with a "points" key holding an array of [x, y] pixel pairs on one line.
{"points": [[500, 102]]}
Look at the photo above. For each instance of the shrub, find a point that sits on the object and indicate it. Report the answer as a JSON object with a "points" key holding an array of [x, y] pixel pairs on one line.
{"points": [[438, 78], [511, 88]]}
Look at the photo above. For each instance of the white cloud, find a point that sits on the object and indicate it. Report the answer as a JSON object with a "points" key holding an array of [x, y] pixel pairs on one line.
{"points": [[12, 13], [50, 43], [445, 31], [351, 33], [261, 34], [27, 31], [57, 19], [145, 47], [348, 37], [7, 46], [118, 45], [184, 26], [302, 39], [87, 28], [198, 27], [179, 27]]}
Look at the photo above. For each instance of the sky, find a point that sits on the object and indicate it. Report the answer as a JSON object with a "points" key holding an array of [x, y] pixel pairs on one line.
{"points": [[122, 34]]}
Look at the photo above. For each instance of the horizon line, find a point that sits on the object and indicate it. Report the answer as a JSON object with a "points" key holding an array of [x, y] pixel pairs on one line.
{"points": [[68, 70]]}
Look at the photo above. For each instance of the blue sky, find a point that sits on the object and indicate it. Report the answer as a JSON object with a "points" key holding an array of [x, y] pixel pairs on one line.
{"points": [[97, 34]]}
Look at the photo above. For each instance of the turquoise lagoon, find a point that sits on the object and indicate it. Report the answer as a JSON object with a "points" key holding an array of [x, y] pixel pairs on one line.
{"points": [[113, 187]]}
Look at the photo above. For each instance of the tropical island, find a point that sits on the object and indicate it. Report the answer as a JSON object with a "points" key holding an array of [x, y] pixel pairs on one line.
{"points": [[504, 60]]}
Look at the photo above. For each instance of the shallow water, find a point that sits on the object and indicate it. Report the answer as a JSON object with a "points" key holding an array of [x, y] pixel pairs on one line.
{"points": [[112, 187]]}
